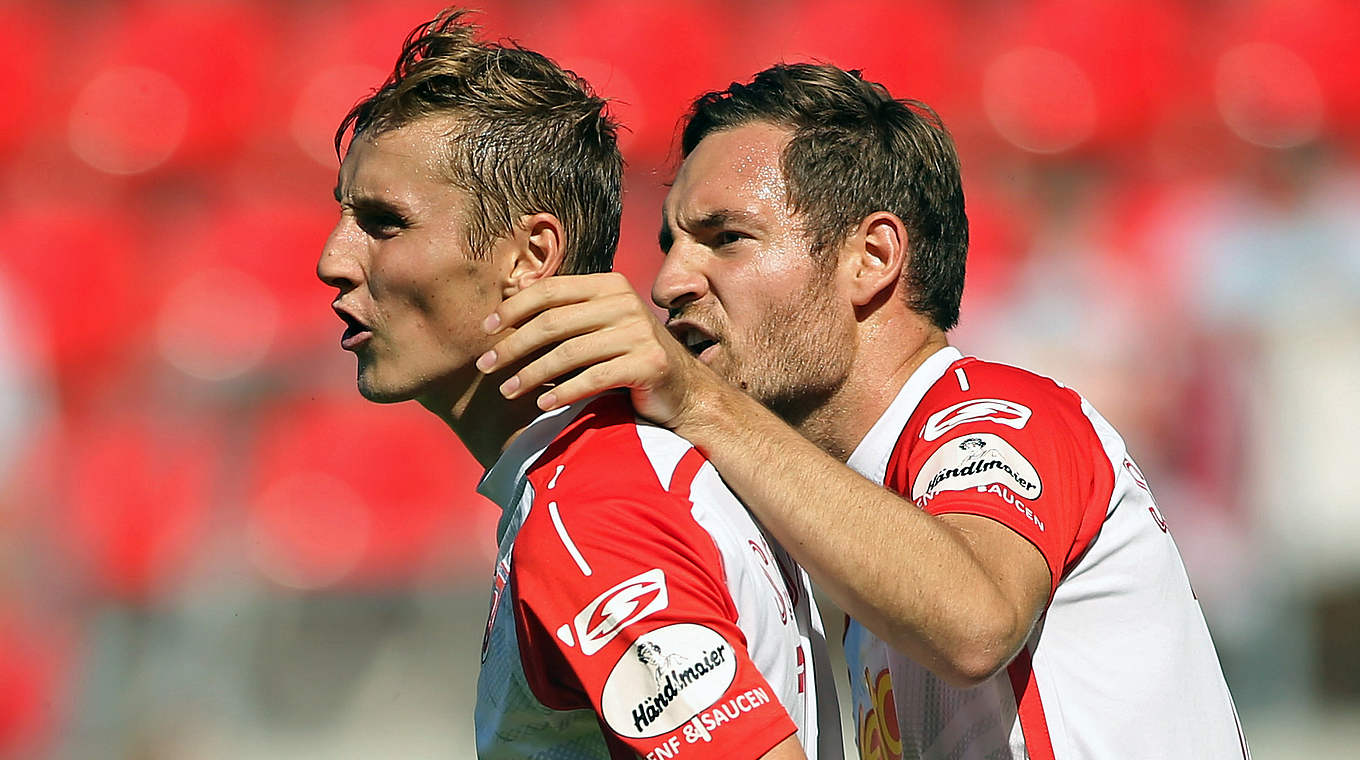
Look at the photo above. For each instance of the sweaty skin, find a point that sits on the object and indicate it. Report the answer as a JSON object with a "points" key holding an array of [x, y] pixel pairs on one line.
{"points": [[968, 599]]}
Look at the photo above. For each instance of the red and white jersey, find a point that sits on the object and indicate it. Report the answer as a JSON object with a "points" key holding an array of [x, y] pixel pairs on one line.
{"points": [[1121, 663], [637, 609]]}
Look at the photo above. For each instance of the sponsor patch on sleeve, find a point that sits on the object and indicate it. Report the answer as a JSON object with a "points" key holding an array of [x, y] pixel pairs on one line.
{"points": [[621, 606], [997, 410], [666, 678], [974, 460]]}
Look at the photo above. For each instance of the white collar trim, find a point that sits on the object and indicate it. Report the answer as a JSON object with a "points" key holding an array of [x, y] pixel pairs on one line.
{"points": [[871, 456], [501, 481]]}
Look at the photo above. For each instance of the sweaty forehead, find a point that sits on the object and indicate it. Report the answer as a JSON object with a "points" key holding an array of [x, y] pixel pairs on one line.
{"points": [[396, 164], [735, 169]]}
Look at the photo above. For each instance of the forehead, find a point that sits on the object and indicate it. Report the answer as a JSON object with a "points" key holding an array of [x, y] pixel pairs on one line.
{"points": [[738, 169], [404, 166]]}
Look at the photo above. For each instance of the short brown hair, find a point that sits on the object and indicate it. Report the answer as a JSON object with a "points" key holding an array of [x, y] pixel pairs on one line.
{"points": [[528, 136], [856, 150]]}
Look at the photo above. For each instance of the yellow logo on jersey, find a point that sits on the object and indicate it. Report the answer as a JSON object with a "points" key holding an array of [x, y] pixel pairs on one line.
{"points": [[880, 737]]}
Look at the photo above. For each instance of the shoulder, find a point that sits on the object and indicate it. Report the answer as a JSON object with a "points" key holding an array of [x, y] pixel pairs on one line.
{"points": [[972, 378], [608, 451], [1029, 423], [611, 486], [995, 395]]}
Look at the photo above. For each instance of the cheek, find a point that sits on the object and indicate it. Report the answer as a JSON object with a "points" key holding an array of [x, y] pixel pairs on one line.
{"points": [[483, 288], [426, 284], [394, 277], [456, 302], [781, 281]]}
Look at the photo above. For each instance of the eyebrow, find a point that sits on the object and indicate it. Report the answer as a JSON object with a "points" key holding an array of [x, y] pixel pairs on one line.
{"points": [[710, 221], [362, 202]]}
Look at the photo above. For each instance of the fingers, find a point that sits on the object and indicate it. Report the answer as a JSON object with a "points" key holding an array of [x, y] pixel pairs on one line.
{"points": [[556, 291], [589, 382], [593, 330], [553, 326], [570, 355]]}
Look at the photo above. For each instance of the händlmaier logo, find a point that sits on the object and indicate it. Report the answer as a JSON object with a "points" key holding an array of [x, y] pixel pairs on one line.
{"points": [[978, 459], [666, 678]]}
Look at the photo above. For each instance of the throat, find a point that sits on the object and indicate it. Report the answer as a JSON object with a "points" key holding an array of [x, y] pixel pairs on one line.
{"points": [[823, 424], [484, 420]]}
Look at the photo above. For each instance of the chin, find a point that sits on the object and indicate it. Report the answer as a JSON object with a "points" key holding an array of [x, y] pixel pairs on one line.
{"points": [[379, 397], [379, 393]]}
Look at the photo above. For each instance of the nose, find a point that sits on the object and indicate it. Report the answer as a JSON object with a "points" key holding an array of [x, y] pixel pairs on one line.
{"points": [[680, 280], [339, 265]]}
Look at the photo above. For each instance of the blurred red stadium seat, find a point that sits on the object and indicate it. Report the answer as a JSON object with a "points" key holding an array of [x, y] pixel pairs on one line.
{"points": [[345, 491], [81, 274], [215, 56], [240, 284], [614, 44], [1000, 227], [33, 661], [911, 47], [1324, 34], [26, 39], [1132, 55], [135, 495]]}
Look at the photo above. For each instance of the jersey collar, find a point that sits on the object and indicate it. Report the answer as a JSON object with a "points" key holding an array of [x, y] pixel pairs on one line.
{"points": [[871, 456], [502, 480]]}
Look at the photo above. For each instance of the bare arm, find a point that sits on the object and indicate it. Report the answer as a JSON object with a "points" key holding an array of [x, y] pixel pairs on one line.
{"points": [[958, 593]]}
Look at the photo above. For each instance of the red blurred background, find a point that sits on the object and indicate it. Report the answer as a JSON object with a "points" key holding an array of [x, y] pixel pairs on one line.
{"points": [[1163, 194]]}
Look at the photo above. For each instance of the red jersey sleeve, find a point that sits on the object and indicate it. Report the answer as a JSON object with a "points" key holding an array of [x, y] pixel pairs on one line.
{"points": [[1014, 447], [622, 607]]}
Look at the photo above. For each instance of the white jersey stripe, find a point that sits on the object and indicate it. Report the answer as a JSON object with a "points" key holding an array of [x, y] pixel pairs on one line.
{"points": [[566, 540], [661, 450]]}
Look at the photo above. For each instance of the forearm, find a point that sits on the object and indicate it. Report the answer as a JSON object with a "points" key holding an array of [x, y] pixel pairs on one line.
{"points": [[906, 575]]}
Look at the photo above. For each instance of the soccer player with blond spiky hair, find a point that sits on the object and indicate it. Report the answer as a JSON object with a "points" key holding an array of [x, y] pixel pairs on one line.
{"points": [[637, 608]]}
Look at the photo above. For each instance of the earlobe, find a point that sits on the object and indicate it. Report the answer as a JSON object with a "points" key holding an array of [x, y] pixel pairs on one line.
{"points": [[878, 258], [537, 251]]}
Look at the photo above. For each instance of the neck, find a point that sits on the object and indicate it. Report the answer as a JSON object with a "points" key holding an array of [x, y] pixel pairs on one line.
{"points": [[885, 359], [484, 420]]}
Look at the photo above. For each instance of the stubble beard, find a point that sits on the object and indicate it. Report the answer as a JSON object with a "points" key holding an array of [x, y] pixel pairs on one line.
{"points": [[799, 361]]}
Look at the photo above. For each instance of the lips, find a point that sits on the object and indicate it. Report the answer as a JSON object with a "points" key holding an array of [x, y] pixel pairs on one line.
{"points": [[356, 331], [696, 339]]}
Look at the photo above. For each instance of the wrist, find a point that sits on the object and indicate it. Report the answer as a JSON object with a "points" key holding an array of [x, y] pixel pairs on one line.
{"points": [[714, 411]]}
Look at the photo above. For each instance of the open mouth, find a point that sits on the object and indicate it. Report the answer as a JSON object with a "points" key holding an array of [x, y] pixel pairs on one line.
{"points": [[356, 332], [695, 340]]}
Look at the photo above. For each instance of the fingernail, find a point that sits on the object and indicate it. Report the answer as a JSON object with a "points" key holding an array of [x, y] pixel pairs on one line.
{"points": [[510, 386], [486, 360], [491, 323], [548, 401]]}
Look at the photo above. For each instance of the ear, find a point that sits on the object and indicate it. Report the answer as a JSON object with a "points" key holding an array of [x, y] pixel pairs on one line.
{"points": [[536, 251], [875, 257]]}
